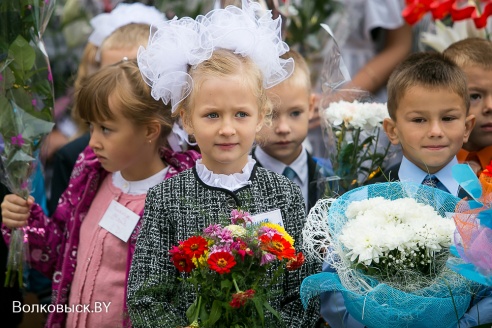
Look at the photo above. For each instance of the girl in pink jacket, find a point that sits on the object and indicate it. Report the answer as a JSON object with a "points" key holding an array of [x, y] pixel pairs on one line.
{"points": [[87, 245]]}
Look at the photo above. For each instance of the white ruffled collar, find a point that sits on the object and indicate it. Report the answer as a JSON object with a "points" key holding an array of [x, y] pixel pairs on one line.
{"points": [[230, 182]]}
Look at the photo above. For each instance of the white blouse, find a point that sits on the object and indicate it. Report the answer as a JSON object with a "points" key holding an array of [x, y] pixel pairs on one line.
{"points": [[230, 182]]}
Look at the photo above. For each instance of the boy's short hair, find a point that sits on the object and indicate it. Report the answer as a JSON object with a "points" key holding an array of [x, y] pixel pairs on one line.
{"points": [[471, 52], [426, 69], [301, 73]]}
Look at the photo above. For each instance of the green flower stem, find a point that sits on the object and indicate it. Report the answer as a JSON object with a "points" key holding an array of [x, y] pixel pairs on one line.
{"points": [[235, 285]]}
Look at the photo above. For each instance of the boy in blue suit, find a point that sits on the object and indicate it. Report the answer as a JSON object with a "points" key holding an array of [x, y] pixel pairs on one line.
{"points": [[428, 104]]}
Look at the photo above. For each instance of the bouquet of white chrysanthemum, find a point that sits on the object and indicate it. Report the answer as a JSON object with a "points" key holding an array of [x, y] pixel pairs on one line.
{"points": [[357, 154], [387, 246], [393, 240]]}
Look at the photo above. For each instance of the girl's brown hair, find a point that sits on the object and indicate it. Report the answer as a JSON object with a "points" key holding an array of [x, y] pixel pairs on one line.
{"points": [[123, 82]]}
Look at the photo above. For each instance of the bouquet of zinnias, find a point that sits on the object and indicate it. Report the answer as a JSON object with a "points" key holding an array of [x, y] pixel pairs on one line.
{"points": [[233, 268], [356, 151], [387, 244], [473, 219]]}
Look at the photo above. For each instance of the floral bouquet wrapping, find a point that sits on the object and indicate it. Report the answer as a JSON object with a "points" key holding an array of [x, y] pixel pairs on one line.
{"points": [[473, 219], [357, 154], [388, 244], [26, 104], [453, 20], [232, 269]]}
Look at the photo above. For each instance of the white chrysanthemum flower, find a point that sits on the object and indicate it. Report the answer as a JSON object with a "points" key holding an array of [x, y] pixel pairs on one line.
{"points": [[378, 226], [365, 116]]}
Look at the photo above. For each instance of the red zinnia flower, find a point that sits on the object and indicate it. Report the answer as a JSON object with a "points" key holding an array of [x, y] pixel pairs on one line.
{"points": [[239, 299], [221, 262], [278, 246], [195, 246], [182, 262], [296, 263]]}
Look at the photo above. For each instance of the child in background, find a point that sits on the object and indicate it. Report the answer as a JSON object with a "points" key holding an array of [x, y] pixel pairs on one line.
{"points": [[113, 44], [473, 56], [428, 104], [230, 57], [280, 146], [88, 259]]}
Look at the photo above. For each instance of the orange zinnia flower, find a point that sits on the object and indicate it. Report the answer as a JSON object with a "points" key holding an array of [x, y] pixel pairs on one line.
{"points": [[221, 262], [195, 246], [278, 246]]}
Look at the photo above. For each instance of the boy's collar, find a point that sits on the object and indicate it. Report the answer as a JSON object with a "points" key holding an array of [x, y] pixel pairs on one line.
{"points": [[298, 165], [411, 172]]}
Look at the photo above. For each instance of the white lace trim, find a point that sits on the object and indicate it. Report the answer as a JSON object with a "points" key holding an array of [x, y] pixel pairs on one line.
{"points": [[230, 182]]}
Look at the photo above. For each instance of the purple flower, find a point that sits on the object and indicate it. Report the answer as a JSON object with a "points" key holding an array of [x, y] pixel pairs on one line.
{"points": [[240, 217], [17, 140], [264, 230], [267, 258], [34, 102], [212, 231], [50, 76], [225, 236], [220, 248]]}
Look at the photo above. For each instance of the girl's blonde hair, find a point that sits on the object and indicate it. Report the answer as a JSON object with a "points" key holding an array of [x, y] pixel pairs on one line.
{"points": [[123, 82], [225, 63], [126, 37]]}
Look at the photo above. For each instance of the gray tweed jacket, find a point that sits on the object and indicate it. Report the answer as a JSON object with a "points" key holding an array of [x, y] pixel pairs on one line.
{"points": [[182, 206]]}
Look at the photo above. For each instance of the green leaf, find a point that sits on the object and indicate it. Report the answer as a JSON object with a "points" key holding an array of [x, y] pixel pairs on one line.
{"points": [[259, 309], [190, 312], [21, 98], [215, 314], [269, 308], [8, 78], [225, 284], [23, 54], [203, 314]]}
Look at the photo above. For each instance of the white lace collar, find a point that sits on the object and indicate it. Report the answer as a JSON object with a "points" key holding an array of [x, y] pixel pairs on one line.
{"points": [[138, 187], [230, 182]]}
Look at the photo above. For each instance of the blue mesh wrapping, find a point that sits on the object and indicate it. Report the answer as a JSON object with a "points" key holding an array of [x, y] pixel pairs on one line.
{"points": [[440, 304]]}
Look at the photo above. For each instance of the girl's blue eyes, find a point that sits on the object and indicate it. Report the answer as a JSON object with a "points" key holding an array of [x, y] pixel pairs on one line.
{"points": [[215, 115]]}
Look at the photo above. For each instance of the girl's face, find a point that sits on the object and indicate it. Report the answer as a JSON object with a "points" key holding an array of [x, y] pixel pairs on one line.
{"points": [[120, 145], [224, 119]]}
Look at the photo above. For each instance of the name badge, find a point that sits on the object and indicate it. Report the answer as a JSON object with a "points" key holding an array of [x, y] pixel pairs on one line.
{"points": [[119, 220], [274, 216]]}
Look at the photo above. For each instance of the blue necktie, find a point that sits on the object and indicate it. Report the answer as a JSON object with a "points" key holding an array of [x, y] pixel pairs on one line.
{"points": [[433, 181], [289, 173]]}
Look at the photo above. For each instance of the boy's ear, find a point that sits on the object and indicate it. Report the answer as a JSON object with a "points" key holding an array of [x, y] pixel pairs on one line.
{"points": [[188, 127], [469, 124], [391, 130], [313, 102]]}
